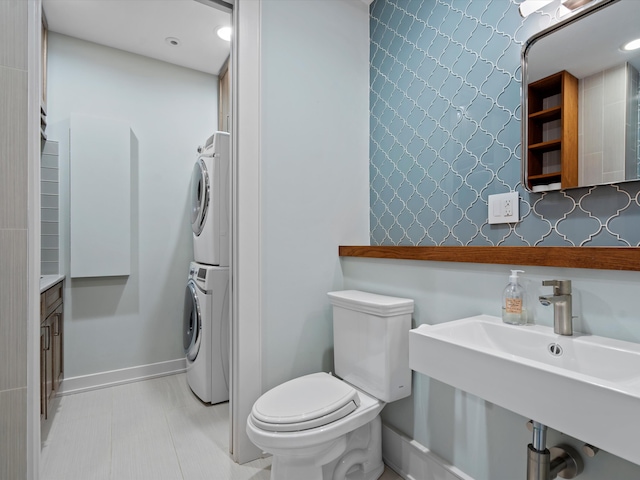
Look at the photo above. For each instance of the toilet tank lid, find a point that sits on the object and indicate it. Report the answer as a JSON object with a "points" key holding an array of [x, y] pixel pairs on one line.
{"points": [[372, 303]]}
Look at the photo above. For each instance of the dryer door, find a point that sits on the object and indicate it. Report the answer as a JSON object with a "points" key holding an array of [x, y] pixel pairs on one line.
{"points": [[200, 196], [192, 323]]}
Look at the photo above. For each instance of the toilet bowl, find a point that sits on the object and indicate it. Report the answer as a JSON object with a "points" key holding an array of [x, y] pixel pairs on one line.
{"points": [[321, 427]]}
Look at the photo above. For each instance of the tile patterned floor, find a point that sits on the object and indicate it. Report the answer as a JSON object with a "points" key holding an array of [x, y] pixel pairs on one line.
{"points": [[151, 430]]}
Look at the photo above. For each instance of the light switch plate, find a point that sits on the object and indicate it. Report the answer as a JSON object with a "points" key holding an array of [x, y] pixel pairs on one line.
{"points": [[504, 208]]}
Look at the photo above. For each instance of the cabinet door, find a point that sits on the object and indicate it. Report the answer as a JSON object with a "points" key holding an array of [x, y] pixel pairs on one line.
{"points": [[56, 337], [51, 346], [47, 326], [53, 298], [43, 372]]}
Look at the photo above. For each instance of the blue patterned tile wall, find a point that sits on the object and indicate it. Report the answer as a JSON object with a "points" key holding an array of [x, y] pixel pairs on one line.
{"points": [[445, 134]]}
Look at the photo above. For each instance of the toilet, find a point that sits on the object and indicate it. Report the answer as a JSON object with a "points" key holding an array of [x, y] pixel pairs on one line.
{"points": [[326, 427]]}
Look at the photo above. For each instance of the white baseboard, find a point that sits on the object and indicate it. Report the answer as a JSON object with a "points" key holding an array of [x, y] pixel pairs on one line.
{"points": [[413, 461], [111, 378]]}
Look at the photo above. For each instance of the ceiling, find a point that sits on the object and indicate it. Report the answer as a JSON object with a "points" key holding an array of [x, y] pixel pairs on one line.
{"points": [[142, 27]]}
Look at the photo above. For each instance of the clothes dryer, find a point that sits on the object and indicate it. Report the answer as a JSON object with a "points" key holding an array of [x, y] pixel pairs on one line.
{"points": [[210, 202], [206, 332]]}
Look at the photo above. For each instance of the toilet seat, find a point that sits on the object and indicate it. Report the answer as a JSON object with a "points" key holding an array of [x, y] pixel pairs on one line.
{"points": [[304, 403]]}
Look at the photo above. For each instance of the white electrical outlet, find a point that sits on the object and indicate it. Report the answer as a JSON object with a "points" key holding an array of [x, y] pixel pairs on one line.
{"points": [[508, 207], [504, 208]]}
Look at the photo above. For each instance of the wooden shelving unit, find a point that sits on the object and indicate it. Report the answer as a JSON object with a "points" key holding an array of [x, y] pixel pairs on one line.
{"points": [[553, 111]]}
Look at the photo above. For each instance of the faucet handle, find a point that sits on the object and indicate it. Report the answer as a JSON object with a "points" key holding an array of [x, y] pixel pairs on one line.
{"points": [[560, 287]]}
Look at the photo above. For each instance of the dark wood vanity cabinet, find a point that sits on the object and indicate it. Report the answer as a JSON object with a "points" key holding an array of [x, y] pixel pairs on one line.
{"points": [[51, 345], [552, 130]]}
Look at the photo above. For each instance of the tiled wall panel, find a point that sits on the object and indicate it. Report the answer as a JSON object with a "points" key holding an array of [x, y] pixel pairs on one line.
{"points": [[13, 425], [13, 239], [445, 134], [13, 309], [49, 210], [631, 132], [13, 38], [13, 147]]}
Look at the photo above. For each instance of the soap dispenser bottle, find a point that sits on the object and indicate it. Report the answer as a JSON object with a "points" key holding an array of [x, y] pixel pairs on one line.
{"points": [[513, 301]]}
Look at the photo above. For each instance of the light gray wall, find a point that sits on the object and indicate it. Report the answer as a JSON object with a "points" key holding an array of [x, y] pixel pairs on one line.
{"points": [[120, 322], [13, 239], [482, 439], [314, 157]]}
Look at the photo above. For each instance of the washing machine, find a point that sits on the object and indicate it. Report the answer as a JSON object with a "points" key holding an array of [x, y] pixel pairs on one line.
{"points": [[206, 332], [210, 199]]}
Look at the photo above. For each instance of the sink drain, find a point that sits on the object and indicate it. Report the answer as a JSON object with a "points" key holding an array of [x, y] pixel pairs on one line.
{"points": [[555, 349]]}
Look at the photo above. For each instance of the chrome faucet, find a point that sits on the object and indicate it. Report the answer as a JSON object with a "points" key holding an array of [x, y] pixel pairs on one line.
{"points": [[562, 307]]}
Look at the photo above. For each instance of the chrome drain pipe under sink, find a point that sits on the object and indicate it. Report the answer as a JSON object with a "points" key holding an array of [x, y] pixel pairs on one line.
{"points": [[546, 464]]}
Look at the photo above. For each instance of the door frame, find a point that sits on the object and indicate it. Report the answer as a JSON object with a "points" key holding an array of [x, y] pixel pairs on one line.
{"points": [[246, 358], [34, 96], [246, 255]]}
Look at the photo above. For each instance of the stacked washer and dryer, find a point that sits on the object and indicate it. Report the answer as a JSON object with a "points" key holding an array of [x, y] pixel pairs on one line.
{"points": [[206, 306]]}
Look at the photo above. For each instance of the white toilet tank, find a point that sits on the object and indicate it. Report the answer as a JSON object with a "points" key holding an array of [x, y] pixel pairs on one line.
{"points": [[371, 342]]}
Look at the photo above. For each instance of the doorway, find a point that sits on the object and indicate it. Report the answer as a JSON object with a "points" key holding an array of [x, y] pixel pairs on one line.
{"points": [[120, 289]]}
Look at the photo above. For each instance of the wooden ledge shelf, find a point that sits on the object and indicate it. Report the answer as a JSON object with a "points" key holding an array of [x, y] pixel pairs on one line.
{"points": [[544, 176], [548, 115], [543, 147], [602, 258]]}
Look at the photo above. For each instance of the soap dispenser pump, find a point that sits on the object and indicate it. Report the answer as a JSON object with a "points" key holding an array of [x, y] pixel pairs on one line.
{"points": [[513, 301]]}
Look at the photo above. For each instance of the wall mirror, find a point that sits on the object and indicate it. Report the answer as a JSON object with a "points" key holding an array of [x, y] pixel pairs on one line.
{"points": [[580, 100]]}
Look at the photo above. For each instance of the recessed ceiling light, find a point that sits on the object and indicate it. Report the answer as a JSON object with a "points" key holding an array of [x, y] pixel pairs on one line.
{"points": [[632, 45], [224, 33], [173, 41]]}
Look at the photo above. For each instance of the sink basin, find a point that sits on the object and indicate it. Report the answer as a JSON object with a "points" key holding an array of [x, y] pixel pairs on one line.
{"points": [[584, 385]]}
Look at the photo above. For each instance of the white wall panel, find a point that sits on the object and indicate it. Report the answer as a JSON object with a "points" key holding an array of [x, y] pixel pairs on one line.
{"points": [[314, 175], [100, 179], [480, 438], [302, 184]]}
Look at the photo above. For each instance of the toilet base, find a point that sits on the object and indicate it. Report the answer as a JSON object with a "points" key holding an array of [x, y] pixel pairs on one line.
{"points": [[354, 456]]}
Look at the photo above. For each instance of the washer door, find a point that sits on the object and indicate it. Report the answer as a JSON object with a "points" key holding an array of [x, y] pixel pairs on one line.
{"points": [[199, 196], [192, 322]]}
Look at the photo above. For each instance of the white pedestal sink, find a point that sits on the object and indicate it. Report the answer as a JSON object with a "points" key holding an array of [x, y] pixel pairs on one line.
{"points": [[584, 385]]}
